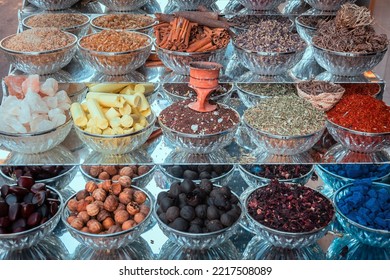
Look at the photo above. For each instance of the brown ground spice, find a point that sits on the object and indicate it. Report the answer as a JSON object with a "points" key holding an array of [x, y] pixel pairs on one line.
{"points": [[61, 20]]}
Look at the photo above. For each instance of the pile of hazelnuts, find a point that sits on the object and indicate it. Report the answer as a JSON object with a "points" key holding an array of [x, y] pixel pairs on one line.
{"points": [[113, 172], [198, 208], [107, 207]]}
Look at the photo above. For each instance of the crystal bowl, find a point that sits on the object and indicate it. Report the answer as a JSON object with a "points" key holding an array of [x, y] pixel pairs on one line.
{"points": [[261, 4], [254, 180], [41, 63], [347, 63], [116, 63], [123, 5], [291, 240], [140, 181], [366, 235], [29, 238], [192, 4], [53, 4], [306, 32], [117, 144], [198, 241], [268, 63], [222, 98], [179, 62], [58, 182], [283, 145], [200, 143], [336, 181], [112, 240], [170, 179], [146, 29], [78, 30], [358, 141], [328, 5], [38, 142]]}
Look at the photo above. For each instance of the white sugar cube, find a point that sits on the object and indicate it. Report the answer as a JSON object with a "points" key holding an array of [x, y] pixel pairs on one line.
{"points": [[49, 87], [52, 102]]}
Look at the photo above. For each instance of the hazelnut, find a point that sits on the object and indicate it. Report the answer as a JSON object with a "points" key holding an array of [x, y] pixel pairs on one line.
{"points": [[132, 208], [139, 217], [116, 189], [94, 226], [89, 199], [94, 171], [111, 203], [81, 195], [90, 186], [72, 205], [99, 194], [107, 223], [128, 224], [85, 229], [115, 178], [126, 171], [125, 197], [93, 209], [114, 229], [121, 206], [121, 216], [144, 209], [100, 204], [110, 169], [77, 223], [125, 181], [70, 219], [104, 176], [106, 185], [103, 214], [143, 169], [82, 205], [135, 169], [84, 216], [139, 197]]}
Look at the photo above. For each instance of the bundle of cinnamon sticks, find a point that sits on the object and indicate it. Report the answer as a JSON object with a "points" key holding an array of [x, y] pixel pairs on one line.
{"points": [[178, 33]]}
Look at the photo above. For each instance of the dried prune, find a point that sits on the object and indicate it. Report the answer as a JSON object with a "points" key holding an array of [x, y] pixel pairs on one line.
{"points": [[179, 224], [187, 212], [172, 213]]}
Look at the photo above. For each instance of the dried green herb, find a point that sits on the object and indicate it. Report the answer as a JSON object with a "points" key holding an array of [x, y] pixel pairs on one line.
{"points": [[268, 89]]}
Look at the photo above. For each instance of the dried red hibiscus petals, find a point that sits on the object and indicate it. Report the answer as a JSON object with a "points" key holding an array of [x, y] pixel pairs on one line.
{"points": [[290, 207]]}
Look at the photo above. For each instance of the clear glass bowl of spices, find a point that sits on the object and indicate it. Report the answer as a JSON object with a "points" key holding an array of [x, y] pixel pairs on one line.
{"points": [[328, 5], [180, 91], [260, 5], [115, 52], [362, 210], [284, 125], [288, 215], [129, 22], [53, 5], [39, 50], [123, 5]]}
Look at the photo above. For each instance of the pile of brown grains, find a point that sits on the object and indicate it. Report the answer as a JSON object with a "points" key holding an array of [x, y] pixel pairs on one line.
{"points": [[60, 20], [319, 87], [184, 90], [313, 21], [114, 41], [272, 89], [286, 116], [123, 21], [270, 36], [244, 21], [179, 117], [290, 207], [39, 40]]}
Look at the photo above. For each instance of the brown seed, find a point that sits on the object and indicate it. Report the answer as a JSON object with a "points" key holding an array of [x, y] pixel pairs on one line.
{"points": [[125, 181], [143, 169], [89, 199], [94, 226], [110, 169], [114, 229], [103, 214], [82, 205], [125, 197], [84, 216], [106, 185], [121, 206], [104, 176], [116, 188], [99, 194], [81, 195], [70, 219], [100, 204], [77, 223], [126, 171], [72, 204], [111, 203], [90, 186], [128, 224], [108, 222], [121, 216], [139, 217], [139, 197], [144, 209], [93, 209], [115, 178], [94, 171], [85, 229], [133, 208]]}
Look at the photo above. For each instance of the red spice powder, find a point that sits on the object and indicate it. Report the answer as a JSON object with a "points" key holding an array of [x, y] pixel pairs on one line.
{"points": [[361, 88], [362, 113]]}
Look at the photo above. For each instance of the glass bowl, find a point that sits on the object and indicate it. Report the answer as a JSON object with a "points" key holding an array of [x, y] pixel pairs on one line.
{"points": [[53, 4], [192, 4], [179, 62], [200, 143], [117, 144], [347, 63], [58, 182], [328, 5], [366, 235], [38, 142], [283, 145], [336, 181], [254, 180], [146, 29], [170, 179], [123, 5], [140, 181], [112, 240], [41, 63], [358, 141], [291, 240], [78, 30], [221, 98], [306, 32], [116, 63], [197, 241], [268, 63], [260, 4], [29, 238]]}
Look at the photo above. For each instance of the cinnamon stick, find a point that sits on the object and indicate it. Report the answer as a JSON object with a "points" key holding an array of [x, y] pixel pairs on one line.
{"points": [[199, 44], [211, 15]]}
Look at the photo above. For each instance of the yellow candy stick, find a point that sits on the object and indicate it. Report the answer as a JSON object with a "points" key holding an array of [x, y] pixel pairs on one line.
{"points": [[127, 121], [96, 112], [107, 99], [134, 100], [144, 88], [78, 115]]}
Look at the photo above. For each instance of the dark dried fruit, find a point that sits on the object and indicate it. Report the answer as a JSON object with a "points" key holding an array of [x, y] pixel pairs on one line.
{"points": [[25, 182], [187, 212], [14, 212], [39, 198], [206, 185], [4, 190], [174, 190], [187, 186], [205, 175], [18, 191], [163, 218], [34, 219], [227, 220], [3, 209], [194, 228], [201, 211], [166, 203], [37, 187], [27, 209], [179, 224], [19, 225], [172, 213], [214, 225], [11, 199], [212, 213], [161, 196], [190, 175]]}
